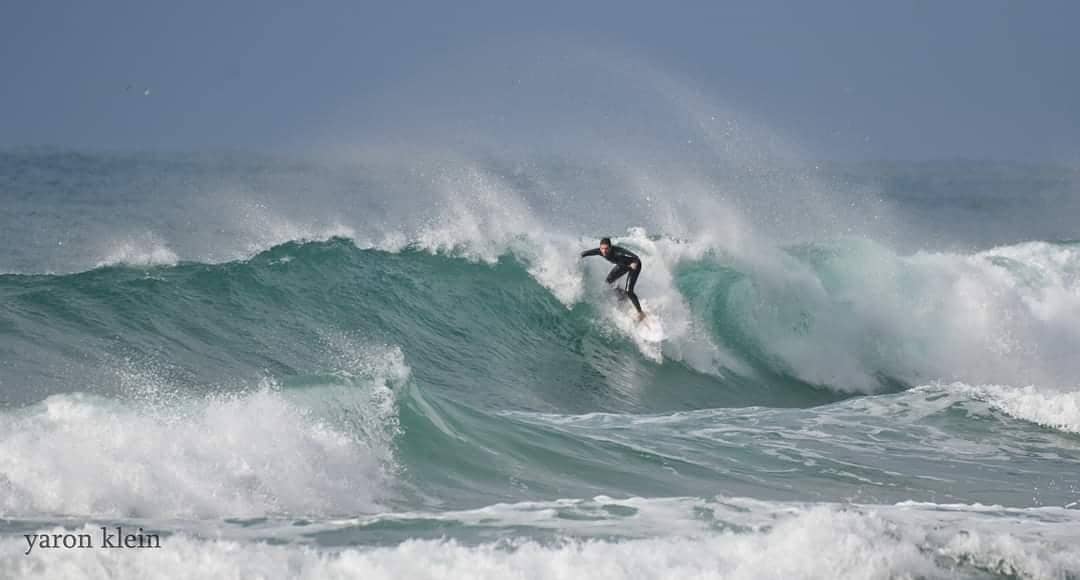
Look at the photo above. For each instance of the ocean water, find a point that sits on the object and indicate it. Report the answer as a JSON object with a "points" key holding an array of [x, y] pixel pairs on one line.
{"points": [[397, 366]]}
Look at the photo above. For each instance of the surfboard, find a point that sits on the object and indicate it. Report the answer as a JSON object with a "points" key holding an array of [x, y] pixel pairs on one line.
{"points": [[647, 333], [649, 329], [621, 296]]}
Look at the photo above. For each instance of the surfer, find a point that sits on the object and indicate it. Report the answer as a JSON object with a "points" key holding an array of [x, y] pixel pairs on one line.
{"points": [[626, 262]]}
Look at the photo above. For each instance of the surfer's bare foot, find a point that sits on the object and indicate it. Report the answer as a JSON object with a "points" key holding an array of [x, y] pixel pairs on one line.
{"points": [[640, 316]]}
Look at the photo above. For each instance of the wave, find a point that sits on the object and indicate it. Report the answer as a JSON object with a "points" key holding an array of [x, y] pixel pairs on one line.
{"points": [[849, 316], [501, 388], [1054, 410], [323, 449], [764, 273], [143, 250], [370, 432], [725, 538], [543, 402], [882, 448]]}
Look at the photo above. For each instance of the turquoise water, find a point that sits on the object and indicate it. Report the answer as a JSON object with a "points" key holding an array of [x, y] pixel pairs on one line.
{"points": [[293, 368]]}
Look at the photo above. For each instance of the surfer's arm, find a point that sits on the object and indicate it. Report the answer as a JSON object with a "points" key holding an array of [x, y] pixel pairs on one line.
{"points": [[592, 252]]}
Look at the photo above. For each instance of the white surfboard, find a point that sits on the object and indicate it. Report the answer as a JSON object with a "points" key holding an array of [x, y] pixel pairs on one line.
{"points": [[647, 333]]}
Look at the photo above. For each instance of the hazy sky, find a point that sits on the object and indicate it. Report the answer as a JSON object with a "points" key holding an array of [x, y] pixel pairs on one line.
{"points": [[982, 79]]}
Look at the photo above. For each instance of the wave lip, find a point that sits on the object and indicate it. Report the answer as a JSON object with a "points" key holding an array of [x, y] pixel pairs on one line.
{"points": [[139, 253], [1055, 410]]}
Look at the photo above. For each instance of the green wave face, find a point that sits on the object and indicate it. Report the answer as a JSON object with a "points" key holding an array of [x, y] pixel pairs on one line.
{"points": [[485, 332]]}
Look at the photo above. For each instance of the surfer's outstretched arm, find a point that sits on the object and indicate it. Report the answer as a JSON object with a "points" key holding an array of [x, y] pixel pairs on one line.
{"points": [[592, 252]]}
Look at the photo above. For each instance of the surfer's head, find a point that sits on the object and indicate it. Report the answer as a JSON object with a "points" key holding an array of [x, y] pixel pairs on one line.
{"points": [[605, 245]]}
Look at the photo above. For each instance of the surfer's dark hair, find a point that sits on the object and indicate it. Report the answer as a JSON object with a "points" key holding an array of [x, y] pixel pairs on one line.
{"points": [[605, 241]]}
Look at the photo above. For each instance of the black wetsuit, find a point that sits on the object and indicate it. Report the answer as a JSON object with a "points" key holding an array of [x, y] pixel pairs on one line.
{"points": [[622, 258]]}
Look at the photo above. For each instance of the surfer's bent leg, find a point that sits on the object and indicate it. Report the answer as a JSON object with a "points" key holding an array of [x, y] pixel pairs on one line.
{"points": [[616, 272], [631, 280]]}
